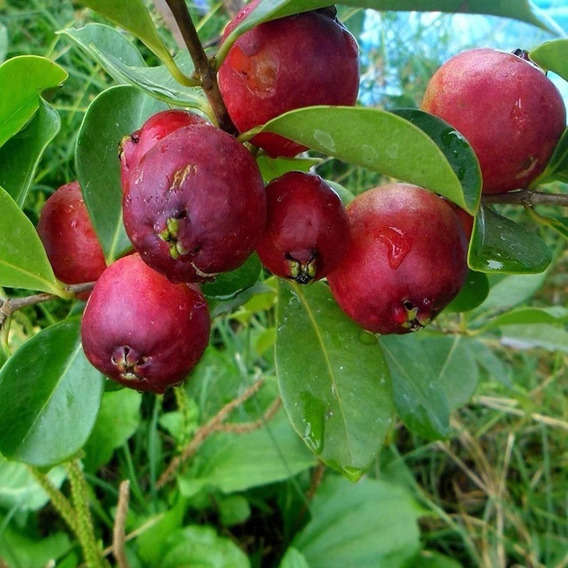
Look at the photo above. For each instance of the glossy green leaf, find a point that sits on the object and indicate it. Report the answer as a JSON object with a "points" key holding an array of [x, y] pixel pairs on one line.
{"points": [[552, 338], [23, 261], [554, 315], [473, 293], [522, 10], [333, 381], [229, 284], [20, 156], [271, 168], [50, 395], [200, 546], [372, 523], [114, 114], [133, 16], [118, 419], [378, 140], [273, 453], [552, 56], [294, 559], [419, 393], [557, 166], [22, 80], [456, 150], [500, 245]]}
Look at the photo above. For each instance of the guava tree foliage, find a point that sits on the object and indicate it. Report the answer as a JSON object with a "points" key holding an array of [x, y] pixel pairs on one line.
{"points": [[341, 387]]}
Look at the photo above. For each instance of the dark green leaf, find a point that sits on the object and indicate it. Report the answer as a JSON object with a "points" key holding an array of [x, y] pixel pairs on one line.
{"points": [[271, 168], [334, 383], [474, 292], [552, 56], [500, 245], [20, 156], [22, 80], [372, 523], [229, 284], [50, 395], [455, 148], [378, 140], [420, 395], [23, 261], [114, 114]]}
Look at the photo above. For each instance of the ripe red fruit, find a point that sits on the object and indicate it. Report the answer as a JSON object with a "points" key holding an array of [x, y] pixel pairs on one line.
{"points": [[293, 62], [142, 330], [406, 260], [307, 231], [507, 109], [196, 204], [69, 238], [158, 126]]}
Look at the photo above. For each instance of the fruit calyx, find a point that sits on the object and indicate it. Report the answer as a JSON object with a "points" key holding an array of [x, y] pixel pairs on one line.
{"points": [[302, 266], [170, 236], [410, 316], [129, 363]]}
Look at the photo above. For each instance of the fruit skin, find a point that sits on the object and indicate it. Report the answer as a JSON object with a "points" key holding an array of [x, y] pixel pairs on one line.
{"points": [[293, 62], [196, 204], [406, 261], [158, 126], [307, 230], [142, 330], [70, 241], [507, 109]]}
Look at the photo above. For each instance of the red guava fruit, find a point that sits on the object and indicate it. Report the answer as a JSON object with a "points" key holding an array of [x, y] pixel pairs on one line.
{"points": [[142, 330], [406, 261], [159, 125], [508, 110], [70, 241], [307, 230], [196, 204], [293, 62]]}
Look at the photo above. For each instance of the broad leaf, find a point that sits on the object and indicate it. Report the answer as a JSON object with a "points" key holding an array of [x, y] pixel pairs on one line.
{"points": [[50, 395], [22, 80], [271, 168], [554, 315], [115, 113], [378, 140], [419, 392], [522, 10], [500, 245], [473, 293], [552, 338], [20, 156], [23, 261], [229, 284], [557, 166], [133, 16], [294, 559], [333, 381], [372, 523], [551, 56]]}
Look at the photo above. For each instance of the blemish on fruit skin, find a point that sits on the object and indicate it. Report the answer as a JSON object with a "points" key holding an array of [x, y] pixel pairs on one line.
{"points": [[181, 175], [398, 245]]}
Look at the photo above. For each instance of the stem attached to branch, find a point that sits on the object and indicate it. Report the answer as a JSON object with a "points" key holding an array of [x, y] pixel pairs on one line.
{"points": [[527, 198], [203, 68]]}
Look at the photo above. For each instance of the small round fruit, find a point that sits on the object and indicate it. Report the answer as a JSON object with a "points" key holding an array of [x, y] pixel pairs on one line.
{"points": [[507, 109], [406, 261], [158, 126], [307, 231], [293, 62], [196, 204], [69, 238], [142, 330]]}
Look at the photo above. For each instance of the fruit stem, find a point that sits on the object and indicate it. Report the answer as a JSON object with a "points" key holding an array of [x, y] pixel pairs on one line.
{"points": [[527, 198], [203, 67]]}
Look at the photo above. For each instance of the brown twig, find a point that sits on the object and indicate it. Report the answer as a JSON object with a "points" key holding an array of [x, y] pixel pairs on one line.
{"points": [[204, 432], [527, 198], [203, 67], [119, 533]]}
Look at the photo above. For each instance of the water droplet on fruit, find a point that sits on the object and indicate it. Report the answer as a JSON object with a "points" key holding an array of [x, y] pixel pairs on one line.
{"points": [[398, 245]]}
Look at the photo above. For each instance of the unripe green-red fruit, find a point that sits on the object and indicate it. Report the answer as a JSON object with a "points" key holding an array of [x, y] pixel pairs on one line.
{"points": [[293, 62], [142, 330], [70, 241], [196, 204], [307, 231], [507, 109], [406, 261], [158, 126]]}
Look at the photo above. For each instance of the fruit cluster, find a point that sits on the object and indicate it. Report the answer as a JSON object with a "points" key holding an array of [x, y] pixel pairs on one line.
{"points": [[195, 205]]}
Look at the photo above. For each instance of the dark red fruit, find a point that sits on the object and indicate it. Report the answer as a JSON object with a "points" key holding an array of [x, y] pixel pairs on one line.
{"points": [[196, 204], [158, 126], [142, 330], [298, 61], [69, 238], [507, 109], [406, 260], [307, 231]]}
